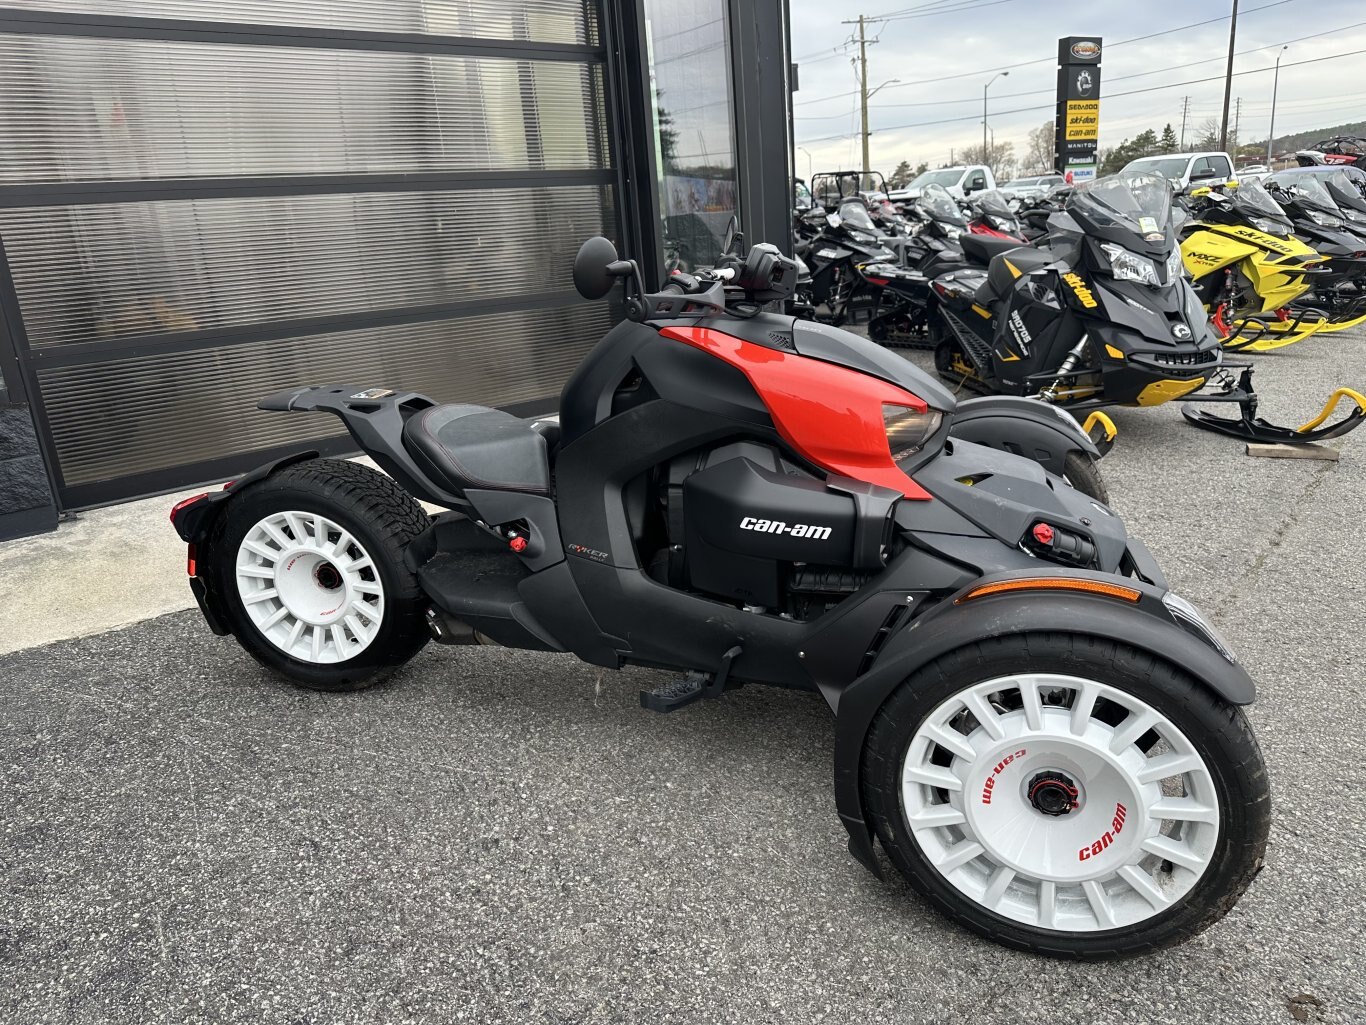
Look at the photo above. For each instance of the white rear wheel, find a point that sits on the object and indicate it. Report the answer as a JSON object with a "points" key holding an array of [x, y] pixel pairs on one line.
{"points": [[1059, 802], [309, 587]]}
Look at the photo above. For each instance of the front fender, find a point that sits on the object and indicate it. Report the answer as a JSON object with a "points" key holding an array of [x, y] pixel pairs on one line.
{"points": [[1146, 625], [1026, 427]]}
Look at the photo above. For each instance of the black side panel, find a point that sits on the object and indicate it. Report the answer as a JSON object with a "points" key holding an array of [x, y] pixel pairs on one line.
{"points": [[587, 395], [820, 341], [591, 472], [688, 376]]}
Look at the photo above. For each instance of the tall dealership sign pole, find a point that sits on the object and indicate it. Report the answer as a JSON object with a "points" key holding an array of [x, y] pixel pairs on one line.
{"points": [[1077, 124]]}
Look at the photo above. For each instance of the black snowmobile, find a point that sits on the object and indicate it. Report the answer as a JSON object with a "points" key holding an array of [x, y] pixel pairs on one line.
{"points": [[1100, 315]]}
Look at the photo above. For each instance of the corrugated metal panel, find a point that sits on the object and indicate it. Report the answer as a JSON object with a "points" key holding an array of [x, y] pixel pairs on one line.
{"points": [[76, 109], [133, 415], [544, 21], [108, 271]]}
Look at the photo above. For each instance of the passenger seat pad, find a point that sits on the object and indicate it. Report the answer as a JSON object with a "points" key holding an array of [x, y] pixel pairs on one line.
{"points": [[463, 446]]}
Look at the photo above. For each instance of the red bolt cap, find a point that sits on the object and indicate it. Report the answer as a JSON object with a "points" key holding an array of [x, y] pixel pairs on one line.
{"points": [[517, 544], [1043, 533]]}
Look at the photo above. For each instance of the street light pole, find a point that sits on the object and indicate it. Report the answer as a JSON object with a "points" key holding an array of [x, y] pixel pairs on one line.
{"points": [[808, 163], [1275, 87], [999, 74]]}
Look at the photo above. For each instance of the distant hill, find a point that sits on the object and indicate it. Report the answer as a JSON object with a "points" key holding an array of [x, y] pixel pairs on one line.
{"points": [[1301, 140]]}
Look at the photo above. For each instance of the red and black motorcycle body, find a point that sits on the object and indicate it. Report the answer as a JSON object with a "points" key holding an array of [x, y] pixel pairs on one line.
{"points": [[721, 499]]}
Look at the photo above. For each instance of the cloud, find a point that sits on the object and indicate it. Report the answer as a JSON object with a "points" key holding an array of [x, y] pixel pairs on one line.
{"points": [[931, 115]]}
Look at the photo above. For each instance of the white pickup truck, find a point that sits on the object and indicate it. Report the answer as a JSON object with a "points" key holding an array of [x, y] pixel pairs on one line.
{"points": [[959, 182]]}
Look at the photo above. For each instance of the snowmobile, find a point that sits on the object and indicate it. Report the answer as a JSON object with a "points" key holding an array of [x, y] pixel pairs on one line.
{"points": [[1044, 739], [1248, 268], [1100, 315], [1315, 206], [993, 217]]}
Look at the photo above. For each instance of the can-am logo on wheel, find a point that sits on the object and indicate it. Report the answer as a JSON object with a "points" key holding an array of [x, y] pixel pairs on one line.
{"points": [[780, 527], [990, 784]]}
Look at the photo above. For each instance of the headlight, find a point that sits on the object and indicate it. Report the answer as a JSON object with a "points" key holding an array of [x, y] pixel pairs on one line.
{"points": [[1327, 220], [863, 236], [1355, 215], [1188, 613], [908, 430], [952, 232], [1175, 266], [1269, 225], [1127, 266], [1002, 223]]}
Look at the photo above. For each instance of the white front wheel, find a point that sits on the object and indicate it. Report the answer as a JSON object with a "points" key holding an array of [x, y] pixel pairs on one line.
{"points": [[1067, 795]]}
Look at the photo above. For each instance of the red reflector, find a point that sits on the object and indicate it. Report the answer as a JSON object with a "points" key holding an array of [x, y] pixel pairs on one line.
{"points": [[1043, 533], [517, 544], [175, 509], [878, 281], [191, 562]]}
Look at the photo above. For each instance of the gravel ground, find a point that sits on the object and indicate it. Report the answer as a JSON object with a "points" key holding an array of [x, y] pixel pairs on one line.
{"points": [[497, 836]]}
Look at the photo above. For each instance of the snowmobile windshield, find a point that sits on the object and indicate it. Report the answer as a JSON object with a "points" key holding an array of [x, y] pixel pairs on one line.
{"points": [[1345, 191], [1308, 189], [1258, 205], [1140, 203], [936, 202], [992, 204], [856, 215]]}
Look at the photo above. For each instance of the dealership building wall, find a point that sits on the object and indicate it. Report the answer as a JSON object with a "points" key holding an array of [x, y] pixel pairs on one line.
{"points": [[205, 202]]}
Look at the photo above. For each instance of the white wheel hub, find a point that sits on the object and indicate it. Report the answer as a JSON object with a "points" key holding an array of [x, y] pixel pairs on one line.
{"points": [[309, 587], [1032, 796]]}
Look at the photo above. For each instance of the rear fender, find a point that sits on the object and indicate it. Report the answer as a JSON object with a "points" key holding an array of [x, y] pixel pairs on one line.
{"points": [[1146, 625], [1024, 427], [194, 520]]}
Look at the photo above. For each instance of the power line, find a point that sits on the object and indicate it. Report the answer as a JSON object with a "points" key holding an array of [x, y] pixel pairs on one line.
{"points": [[1053, 60], [1130, 92], [1119, 78]]}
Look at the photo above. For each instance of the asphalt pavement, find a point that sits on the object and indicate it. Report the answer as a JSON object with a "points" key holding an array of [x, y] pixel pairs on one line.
{"points": [[496, 836]]}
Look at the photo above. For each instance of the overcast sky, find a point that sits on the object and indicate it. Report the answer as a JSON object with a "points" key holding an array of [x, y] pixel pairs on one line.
{"points": [[921, 48]]}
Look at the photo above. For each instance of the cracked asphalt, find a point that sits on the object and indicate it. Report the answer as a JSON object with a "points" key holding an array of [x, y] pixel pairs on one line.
{"points": [[496, 836]]}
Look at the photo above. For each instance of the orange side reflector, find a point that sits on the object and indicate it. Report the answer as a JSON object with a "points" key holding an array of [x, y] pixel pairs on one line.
{"points": [[192, 562], [1053, 584]]}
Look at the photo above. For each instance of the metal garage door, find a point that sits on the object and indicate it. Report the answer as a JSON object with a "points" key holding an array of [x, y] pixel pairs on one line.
{"points": [[196, 213]]}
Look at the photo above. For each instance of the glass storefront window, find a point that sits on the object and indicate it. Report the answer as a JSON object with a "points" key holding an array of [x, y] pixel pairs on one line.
{"points": [[694, 132]]}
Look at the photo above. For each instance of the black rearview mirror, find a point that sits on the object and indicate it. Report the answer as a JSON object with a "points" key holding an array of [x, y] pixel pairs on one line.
{"points": [[731, 236], [592, 276]]}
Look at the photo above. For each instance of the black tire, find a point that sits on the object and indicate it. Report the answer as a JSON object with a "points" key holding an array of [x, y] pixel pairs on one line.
{"points": [[380, 515], [1219, 731], [1083, 473]]}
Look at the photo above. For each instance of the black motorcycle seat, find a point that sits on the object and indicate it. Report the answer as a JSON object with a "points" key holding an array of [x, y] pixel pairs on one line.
{"points": [[461, 446]]}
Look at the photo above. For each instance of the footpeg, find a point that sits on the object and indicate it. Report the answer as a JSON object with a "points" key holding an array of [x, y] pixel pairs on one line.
{"points": [[690, 687], [668, 697]]}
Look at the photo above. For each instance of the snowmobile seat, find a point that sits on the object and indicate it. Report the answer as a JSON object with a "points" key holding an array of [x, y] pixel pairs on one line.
{"points": [[463, 446], [979, 249], [1023, 259]]}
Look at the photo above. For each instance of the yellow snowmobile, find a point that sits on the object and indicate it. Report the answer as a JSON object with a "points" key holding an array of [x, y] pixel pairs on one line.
{"points": [[1248, 267]]}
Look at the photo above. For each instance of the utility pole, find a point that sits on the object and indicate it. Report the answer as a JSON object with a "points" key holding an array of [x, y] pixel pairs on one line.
{"points": [[1185, 112], [1228, 78], [1275, 88], [986, 153], [1237, 123], [864, 92]]}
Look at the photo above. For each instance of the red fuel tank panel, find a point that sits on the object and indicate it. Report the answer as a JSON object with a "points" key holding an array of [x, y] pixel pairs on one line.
{"points": [[830, 414]]}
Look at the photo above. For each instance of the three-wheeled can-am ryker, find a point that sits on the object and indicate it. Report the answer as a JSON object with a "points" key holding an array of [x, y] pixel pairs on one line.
{"points": [[1046, 741]]}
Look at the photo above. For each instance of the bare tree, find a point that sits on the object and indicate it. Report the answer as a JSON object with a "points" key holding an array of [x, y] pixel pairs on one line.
{"points": [[1038, 155], [1000, 158]]}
